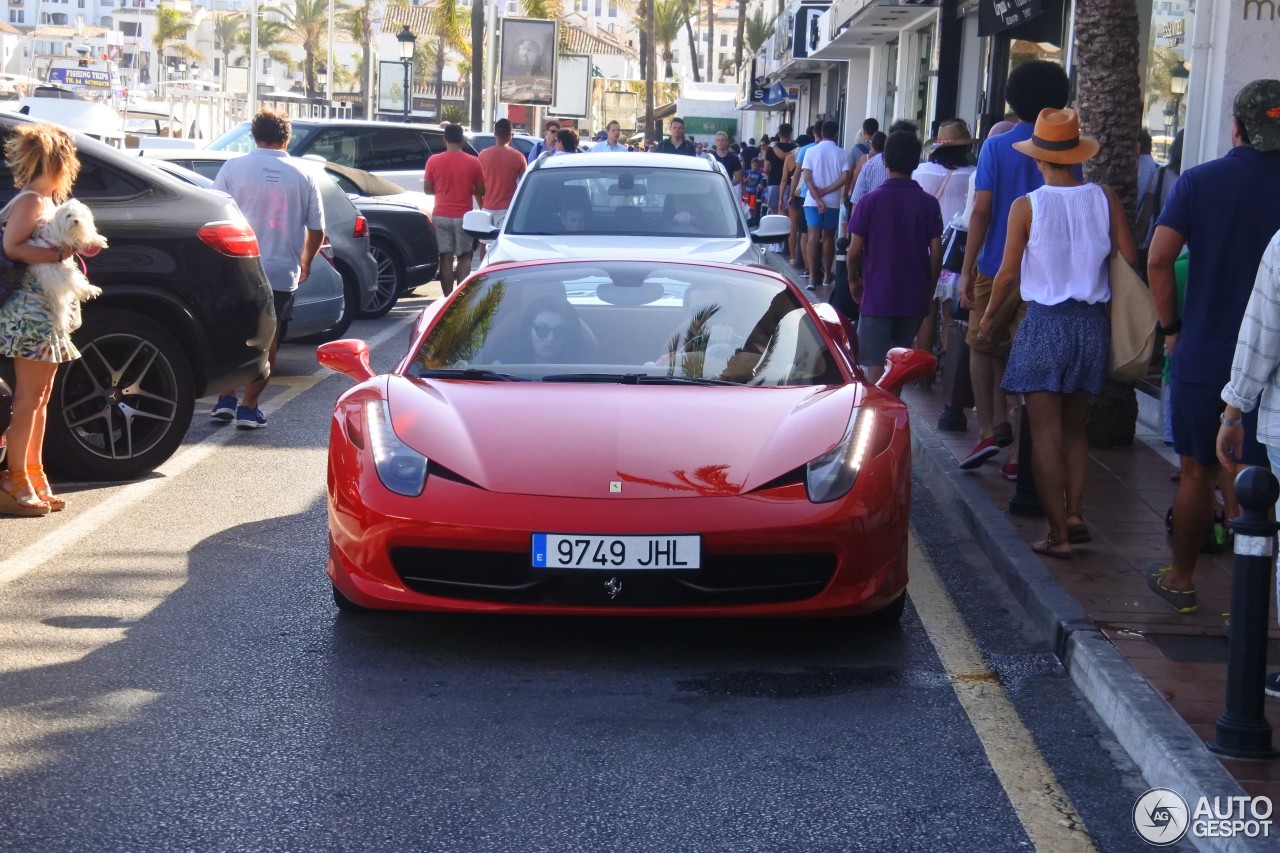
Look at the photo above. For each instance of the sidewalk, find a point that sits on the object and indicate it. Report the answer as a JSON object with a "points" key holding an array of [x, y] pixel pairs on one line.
{"points": [[1129, 491]]}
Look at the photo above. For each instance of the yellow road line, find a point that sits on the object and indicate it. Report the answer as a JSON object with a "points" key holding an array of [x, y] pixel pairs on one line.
{"points": [[1043, 807]]}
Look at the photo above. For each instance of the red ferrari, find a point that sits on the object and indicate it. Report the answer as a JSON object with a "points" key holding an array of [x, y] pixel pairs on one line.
{"points": [[628, 437]]}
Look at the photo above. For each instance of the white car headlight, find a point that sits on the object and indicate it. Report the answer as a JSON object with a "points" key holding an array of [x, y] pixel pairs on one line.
{"points": [[832, 475], [401, 469]]}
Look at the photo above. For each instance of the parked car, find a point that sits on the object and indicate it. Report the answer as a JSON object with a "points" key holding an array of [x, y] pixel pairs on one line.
{"points": [[660, 205], [318, 305], [346, 229], [185, 309], [522, 142], [694, 439], [397, 152], [401, 237]]}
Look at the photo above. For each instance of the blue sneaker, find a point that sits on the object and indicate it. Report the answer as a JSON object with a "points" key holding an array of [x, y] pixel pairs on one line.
{"points": [[247, 418], [225, 409]]}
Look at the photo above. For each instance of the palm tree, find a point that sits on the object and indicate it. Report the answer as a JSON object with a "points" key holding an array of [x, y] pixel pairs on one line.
{"points": [[171, 32], [361, 24], [309, 19], [1109, 98], [742, 26], [226, 29], [271, 35], [650, 61], [759, 29], [668, 17], [447, 28], [693, 42]]}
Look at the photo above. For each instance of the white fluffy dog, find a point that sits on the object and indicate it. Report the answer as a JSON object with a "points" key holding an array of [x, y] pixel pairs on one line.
{"points": [[64, 285]]}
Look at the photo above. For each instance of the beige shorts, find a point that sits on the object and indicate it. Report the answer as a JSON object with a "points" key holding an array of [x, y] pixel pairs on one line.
{"points": [[450, 238], [1004, 327]]}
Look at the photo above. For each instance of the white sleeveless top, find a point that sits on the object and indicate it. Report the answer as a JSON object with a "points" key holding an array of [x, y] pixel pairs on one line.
{"points": [[1067, 254]]}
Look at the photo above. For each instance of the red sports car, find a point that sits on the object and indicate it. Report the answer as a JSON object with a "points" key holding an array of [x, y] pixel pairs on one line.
{"points": [[629, 437]]}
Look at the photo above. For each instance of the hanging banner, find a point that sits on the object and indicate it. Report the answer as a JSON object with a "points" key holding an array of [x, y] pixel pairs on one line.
{"points": [[573, 86], [527, 69], [392, 92]]}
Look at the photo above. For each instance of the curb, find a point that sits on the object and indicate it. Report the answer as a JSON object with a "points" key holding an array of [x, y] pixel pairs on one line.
{"points": [[1163, 746]]}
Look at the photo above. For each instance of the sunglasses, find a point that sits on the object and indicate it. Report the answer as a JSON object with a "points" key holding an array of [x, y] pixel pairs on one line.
{"points": [[543, 331]]}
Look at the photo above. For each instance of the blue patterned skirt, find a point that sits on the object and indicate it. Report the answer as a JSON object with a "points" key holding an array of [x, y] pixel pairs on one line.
{"points": [[1060, 348]]}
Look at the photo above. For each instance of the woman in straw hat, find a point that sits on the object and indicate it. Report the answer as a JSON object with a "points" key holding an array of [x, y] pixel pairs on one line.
{"points": [[1059, 240], [945, 176]]}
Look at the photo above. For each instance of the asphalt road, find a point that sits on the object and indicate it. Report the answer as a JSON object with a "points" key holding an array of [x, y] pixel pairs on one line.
{"points": [[173, 676]]}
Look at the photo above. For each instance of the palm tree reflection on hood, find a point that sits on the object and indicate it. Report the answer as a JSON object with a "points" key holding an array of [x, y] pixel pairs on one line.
{"points": [[706, 480]]}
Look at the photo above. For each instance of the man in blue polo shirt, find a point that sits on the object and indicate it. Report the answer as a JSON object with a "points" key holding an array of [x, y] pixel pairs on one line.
{"points": [[1225, 212], [1004, 175]]}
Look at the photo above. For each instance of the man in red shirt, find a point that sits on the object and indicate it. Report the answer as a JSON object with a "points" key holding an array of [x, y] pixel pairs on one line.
{"points": [[454, 178], [503, 167]]}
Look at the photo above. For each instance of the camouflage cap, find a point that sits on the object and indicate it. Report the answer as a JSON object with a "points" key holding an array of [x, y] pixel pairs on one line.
{"points": [[1258, 108]]}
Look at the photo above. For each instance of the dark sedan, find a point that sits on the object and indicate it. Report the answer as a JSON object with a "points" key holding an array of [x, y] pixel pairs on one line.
{"points": [[185, 309]]}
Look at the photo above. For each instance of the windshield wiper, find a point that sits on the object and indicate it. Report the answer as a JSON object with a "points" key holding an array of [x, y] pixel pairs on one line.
{"points": [[634, 379], [477, 373]]}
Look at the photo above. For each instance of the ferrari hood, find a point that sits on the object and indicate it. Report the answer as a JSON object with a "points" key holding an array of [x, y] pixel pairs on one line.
{"points": [[728, 251], [578, 440]]}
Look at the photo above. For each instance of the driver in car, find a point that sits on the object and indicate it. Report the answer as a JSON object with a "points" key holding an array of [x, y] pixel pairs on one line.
{"points": [[573, 216]]}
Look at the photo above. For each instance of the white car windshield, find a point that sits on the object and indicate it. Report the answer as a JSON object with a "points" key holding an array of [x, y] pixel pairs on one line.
{"points": [[632, 201], [627, 322]]}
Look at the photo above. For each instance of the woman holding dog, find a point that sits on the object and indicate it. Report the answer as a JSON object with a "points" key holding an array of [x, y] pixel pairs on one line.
{"points": [[44, 163]]}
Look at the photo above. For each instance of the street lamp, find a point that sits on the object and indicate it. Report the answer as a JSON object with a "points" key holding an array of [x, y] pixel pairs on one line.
{"points": [[407, 40], [1179, 77], [322, 77]]}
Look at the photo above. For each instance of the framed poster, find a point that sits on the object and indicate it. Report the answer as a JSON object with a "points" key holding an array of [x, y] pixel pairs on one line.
{"points": [[527, 71], [391, 91], [573, 86]]}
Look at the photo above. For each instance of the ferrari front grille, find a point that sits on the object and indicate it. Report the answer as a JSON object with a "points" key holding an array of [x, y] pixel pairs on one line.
{"points": [[723, 580]]}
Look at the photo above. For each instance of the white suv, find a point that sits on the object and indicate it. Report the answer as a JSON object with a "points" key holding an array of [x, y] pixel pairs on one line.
{"points": [[625, 205]]}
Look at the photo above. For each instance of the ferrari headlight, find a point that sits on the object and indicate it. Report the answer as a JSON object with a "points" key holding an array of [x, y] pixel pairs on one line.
{"points": [[401, 469], [832, 475]]}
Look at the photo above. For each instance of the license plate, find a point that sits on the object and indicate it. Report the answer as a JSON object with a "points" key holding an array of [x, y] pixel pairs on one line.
{"points": [[567, 551]]}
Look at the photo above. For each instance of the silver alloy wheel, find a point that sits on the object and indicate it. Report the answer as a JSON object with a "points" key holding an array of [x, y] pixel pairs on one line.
{"points": [[120, 399], [388, 278]]}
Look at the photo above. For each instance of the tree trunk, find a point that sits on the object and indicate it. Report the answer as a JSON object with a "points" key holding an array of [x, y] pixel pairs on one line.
{"points": [[477, 66], [711, 41], [650, 131], [693, 50], [742, 32], [439, 81], [643, 10], [1109, 98]]}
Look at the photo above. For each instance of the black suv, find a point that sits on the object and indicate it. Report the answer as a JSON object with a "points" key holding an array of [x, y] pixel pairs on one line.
{"points": [[397, 152], [185, 310]]}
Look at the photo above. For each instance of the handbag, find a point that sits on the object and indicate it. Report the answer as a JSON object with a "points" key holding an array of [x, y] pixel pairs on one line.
{"points": [[953, 242], [11, 272], [1133, 322]]}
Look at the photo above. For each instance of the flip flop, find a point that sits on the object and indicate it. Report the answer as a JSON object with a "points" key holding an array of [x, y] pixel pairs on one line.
{"points": [[1045, 548], [1183, 600]]}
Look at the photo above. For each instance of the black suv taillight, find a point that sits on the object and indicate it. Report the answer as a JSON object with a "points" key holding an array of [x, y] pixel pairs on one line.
{"points": [[235, 239]]}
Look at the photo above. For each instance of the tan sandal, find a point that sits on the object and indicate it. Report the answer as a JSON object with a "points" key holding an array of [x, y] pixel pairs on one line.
{"points": [[18, 497], [39, 482]]}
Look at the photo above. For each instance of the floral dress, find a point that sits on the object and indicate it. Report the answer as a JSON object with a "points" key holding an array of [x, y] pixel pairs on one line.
{"points": [[27, 329]]}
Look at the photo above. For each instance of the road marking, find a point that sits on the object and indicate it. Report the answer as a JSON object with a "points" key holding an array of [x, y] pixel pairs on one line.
{"points": [[1043, 807], [65, 535]]}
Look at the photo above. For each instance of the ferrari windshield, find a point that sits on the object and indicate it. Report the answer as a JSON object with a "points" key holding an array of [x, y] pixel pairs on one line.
{"points": [[627, 322], [635, 201]]}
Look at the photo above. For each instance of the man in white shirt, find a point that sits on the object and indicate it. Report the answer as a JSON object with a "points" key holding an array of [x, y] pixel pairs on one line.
{"points": [[610, 142], [825, 171], [282, 203]]}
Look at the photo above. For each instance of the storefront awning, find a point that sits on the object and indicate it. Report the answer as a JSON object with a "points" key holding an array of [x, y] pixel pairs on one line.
{"points": [[848, 28]]}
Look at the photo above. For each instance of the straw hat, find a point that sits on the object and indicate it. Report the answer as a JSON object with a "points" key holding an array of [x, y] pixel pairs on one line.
{"points": [[954, 132], [1057, 139]]}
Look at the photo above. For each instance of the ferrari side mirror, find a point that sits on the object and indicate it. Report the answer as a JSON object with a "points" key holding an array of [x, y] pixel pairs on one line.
{"points": [[349, 357], [903, 365]]}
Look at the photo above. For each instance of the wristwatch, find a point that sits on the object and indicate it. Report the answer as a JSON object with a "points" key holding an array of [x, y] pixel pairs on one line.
{"points": [[1171, 329], [1231, 422]]}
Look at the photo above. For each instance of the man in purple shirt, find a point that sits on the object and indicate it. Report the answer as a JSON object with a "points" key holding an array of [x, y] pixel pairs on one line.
{"points": [[895, 256]]}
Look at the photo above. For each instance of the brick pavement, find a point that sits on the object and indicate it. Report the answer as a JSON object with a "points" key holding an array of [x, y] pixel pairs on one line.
{"points": [[1128, 494]]}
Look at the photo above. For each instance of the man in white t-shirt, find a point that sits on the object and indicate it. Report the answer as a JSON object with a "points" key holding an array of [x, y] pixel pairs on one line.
{"points": [[825, 171], [282, 203]]}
